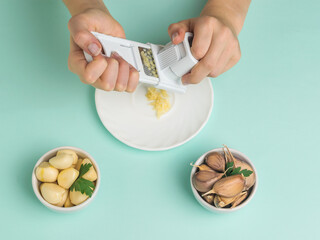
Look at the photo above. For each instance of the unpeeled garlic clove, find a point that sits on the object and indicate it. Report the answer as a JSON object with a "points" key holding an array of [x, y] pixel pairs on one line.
{"points": [[202, 167], [70, 152], [91, 175], [250, 181], [67, 177], [68, 203], [61, 161], [216, 161], [52, 193], [209, 198], [77, 197], [228, 186], [204, 180], [239, 199], [46, 173]]}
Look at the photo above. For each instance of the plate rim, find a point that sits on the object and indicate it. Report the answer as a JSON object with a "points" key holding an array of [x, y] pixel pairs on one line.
{"points": [[119, 138]]}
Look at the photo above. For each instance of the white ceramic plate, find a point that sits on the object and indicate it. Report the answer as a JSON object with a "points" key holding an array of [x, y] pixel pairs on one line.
{"points": [[131, 119]]}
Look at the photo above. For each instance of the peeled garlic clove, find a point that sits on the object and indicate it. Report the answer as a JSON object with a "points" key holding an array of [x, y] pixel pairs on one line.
{"points": [[67, 177], [46, 173], [216, 161], [78, 164], [250, 181], [228, 186], [68, 203], [77, 198], [91, 175], [61, 161], [52, 193], [239, 199], [209, 198], [63, 199], [70, 152], [204, 180]]}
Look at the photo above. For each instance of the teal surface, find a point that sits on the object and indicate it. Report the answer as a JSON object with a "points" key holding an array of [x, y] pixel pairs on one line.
{"points": [[266, 107]]}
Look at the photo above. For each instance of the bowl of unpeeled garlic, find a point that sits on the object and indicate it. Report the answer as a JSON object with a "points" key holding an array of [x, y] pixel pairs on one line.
{"points": [[223, 180], [66, 179]]}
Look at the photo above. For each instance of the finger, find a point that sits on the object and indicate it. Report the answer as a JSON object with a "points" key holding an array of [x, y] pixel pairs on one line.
{"points": [[177, 31], [82, 37], [133, 80], [123, 74], [233, 61], [199, 72], [202, 38], [88, 72], [108, 79]]}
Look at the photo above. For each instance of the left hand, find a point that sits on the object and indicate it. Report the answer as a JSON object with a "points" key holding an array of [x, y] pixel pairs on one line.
{"points": [[215, 45]]}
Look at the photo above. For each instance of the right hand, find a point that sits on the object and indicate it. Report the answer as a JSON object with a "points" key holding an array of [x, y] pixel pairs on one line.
{"points": [[108, 74]]}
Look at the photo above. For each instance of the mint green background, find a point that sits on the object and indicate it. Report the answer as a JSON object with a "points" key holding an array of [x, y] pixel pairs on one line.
{"points": [[267, 107]]}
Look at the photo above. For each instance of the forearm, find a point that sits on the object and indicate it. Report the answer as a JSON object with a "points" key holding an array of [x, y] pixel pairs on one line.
{"points": [[78, 6], [231, 12]]}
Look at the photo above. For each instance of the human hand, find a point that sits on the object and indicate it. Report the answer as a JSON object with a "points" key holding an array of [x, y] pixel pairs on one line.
{"points": [[108, 74], [214, 44]]}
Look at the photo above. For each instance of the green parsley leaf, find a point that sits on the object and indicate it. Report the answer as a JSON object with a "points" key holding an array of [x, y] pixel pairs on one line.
{"points": [[84, 169], [83, 185], [235, 171], [246, 172]]}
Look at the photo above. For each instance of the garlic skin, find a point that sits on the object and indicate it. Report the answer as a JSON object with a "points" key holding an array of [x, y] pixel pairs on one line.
{"points": [[46, 173], [70, 152], [240, 198], [209, 198], [61, 161], [91, 175], [52, 193], [250, 181], [68, 203], [67, 177], [204, 180], [228, 186], [216, 161], [63, 199], [77, 198]]}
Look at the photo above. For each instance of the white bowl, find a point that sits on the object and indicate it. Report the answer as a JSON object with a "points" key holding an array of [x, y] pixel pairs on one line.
{"points": [[210, 207], [36, 183]]}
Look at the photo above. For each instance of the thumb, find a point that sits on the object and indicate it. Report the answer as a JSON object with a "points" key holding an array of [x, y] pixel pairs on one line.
{"points": [[177, 31], [84, 38]]}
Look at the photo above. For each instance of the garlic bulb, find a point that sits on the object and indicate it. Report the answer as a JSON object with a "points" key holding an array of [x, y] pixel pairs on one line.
{"points": [[46, 173], [61, 161], [67, 177], [77, 198], [91, 175], [52, 193], [70, 152]]}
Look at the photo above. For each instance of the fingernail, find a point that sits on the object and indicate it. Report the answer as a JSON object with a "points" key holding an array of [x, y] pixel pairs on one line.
{"points": [[174, 36], [185, 80], [94, 49], [115, 55]]}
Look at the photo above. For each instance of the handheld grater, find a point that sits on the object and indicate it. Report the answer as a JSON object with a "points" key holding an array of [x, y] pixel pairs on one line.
{"points": [[159, 66]]}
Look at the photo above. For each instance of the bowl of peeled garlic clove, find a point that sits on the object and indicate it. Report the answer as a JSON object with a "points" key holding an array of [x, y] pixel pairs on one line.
{"points": [[66, 179], [223, 180]]}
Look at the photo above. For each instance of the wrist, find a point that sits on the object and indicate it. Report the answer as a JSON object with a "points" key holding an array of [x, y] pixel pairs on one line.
{"points": [[77, 6], [231, 13]]}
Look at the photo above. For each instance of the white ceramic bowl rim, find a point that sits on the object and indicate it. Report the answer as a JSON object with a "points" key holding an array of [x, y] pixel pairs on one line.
{"points": [[35, 181], [242, 157]]}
